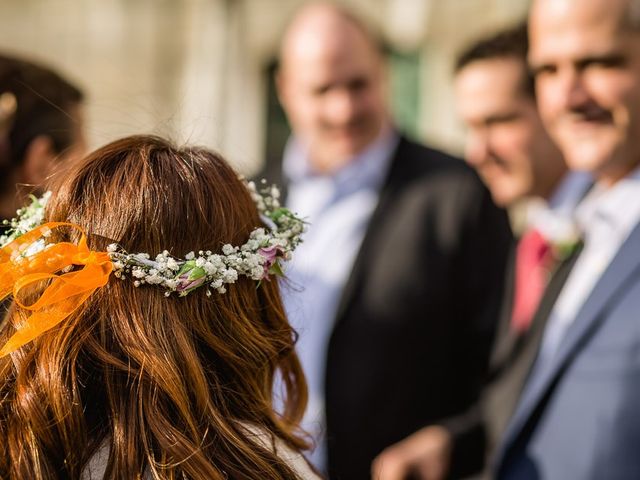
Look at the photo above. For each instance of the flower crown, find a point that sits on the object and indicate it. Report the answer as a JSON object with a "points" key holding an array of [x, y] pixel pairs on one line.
{"points": [[28, 256]]}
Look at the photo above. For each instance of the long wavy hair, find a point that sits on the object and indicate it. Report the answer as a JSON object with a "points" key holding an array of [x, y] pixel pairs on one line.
{"points": [[169, 385]]}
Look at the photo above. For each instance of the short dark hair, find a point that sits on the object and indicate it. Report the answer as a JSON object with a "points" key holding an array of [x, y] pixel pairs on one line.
{"points": [[512, 43], [42, 99]]}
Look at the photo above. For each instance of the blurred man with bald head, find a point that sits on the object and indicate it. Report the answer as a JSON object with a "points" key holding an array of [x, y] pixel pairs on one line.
{"points": [[332, 85], [577, 416], [397, 286]]}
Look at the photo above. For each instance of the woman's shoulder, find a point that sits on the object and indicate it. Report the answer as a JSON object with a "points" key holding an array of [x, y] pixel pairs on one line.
{"points": [[97, 465], [294, 459]]}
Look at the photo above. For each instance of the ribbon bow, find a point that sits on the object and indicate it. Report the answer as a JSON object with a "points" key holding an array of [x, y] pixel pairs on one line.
{"points": [[19, 269]]}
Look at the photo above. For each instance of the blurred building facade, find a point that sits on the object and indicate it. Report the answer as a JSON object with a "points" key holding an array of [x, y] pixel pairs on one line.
{"points": [[200, 71]]}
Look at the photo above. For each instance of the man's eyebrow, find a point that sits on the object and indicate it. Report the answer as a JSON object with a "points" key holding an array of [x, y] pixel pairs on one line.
{"points": [[502, 117], [537, 67], [322, 87], [610, 58]]}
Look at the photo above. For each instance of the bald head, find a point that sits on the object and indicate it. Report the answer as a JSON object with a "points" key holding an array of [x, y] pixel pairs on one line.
{"points": [[331, 84], [627, 12], [322, 28]]}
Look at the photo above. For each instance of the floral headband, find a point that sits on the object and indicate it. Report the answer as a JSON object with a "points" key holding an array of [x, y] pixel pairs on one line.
{"points": [[27, 257]]}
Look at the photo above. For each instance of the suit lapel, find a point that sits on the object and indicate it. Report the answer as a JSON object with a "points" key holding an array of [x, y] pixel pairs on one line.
{"points": [[612, 281], [516, 356], [386, 194], [547, 302], [505, 342], [511, 347]]}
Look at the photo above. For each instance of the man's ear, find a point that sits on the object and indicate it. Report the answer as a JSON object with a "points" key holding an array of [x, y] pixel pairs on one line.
{"points": [[280, 83], [38, 161]]}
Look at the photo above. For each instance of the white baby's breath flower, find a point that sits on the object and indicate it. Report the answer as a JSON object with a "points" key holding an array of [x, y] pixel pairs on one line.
{"points": [[230, 276], [172, 264], [154, 279], [138, 273], [211, 269], [257, 273]]}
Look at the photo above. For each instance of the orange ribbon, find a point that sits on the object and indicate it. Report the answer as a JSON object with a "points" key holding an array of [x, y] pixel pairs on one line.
{"points": [[20, 268]]}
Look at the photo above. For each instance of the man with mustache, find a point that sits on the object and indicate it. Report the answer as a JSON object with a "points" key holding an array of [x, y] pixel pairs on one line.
{"points": [[397, 287], [513, 154], [577, 417]]}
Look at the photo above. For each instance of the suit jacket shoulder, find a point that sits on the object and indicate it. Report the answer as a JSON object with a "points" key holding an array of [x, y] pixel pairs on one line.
{"points": [[418, 313], [577, 416], [416, 162]]}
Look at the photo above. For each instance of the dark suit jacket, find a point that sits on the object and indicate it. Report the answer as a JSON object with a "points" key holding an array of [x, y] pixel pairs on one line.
{"points": [[413, 331], [418, 313], [512, 357]]}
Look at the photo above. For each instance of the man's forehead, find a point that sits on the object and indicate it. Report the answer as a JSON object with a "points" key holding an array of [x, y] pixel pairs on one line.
{"points": [[576, 28], [578, 16], [490, 88], [328, 72], [330, 75], [495, 76], [333, 62], [323, 31]]}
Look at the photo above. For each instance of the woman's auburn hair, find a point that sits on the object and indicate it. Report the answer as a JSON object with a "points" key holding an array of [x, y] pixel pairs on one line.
{"points": [[168, 384]]}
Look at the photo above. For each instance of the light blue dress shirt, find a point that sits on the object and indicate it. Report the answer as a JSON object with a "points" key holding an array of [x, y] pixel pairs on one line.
{"points": [[338, 208], [606, 217]]}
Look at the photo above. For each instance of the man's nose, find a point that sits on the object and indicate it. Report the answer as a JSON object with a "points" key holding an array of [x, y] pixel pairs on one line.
{"points": [[573, 91], [342, 107]]}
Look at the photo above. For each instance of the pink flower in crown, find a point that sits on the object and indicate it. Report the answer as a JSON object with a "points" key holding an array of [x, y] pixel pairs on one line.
{"points": [[189, 277], [186, 284], [271, 255]]}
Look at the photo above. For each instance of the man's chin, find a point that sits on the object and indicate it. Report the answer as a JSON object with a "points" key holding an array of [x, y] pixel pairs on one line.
{"points": [[331, 160], [341, 152], [347, 152], [505, 190], [588, 159], [591, 153], [507, 197]]}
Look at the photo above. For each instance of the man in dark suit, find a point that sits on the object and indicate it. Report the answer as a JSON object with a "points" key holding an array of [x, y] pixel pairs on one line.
{"points": [[400, 274], [509, 147], [577, 416]]}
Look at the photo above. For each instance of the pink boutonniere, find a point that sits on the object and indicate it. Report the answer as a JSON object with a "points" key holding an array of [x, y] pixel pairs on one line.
{"points": [[563, 236]]}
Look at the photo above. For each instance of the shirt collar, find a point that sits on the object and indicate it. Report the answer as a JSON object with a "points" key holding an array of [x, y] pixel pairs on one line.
{"points": [[570, 191], [618, 206], [546, 216], [366, 168]]}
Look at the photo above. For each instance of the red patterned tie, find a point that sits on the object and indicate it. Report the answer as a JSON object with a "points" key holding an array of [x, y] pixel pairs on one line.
{"points": [[532, 261]]}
